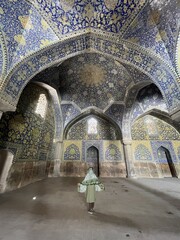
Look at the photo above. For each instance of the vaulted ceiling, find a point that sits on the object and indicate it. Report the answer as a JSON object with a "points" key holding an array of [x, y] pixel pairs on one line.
{"points": [[35, 34], [93, 80]]}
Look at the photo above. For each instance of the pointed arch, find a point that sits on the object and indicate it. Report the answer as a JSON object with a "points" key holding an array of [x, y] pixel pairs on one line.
{"points": [[92, 112], [154, 67]]}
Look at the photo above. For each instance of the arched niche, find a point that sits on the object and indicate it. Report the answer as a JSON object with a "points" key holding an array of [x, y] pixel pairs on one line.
{"points": [[80, 128], [30, 131], [142, 99], [92, 158], [155, 133], [76, 132]]}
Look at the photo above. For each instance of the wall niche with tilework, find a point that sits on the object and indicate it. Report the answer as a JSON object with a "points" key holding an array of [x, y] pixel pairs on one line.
{"points": [[155, 148], [100, 135], [29, 133], [93, 127]]}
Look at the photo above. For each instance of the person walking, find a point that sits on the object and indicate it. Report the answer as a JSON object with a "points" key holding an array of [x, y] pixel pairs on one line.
{"points": [[89, 186]]}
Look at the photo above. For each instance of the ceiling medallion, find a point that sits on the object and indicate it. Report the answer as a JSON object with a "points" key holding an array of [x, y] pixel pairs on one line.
{"points": [[91, 75], [111, 4]]}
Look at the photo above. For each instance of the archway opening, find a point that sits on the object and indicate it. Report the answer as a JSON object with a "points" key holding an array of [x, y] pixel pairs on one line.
{"points": [[164, 154], [92, 158], [93, 139]]}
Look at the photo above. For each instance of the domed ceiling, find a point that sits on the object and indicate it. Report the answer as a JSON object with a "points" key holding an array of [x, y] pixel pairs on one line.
{"points": [[73, 15], [36, 24], [93, 80]]}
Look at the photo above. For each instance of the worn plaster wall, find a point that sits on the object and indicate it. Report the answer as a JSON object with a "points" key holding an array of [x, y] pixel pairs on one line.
{"points": [[149, 134], [29, 136]]}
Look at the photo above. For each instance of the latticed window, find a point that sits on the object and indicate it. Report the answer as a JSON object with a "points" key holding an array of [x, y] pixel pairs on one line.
{"points": [[151, 126], [41, 105], [92, 126]]}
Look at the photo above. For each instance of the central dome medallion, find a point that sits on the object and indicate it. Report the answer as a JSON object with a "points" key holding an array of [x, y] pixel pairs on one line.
{"points": [[95, 78], [91, 74]]}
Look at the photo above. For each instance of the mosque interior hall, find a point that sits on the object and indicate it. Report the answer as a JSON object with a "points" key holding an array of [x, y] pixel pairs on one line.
{"points": [[89, 83]]}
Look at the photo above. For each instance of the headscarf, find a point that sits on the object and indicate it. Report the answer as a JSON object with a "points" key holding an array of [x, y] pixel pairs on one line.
{"points": [[90, 178]]}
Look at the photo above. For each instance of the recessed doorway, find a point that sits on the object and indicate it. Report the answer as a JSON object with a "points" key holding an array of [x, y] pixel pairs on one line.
{"points": [[92, 158], [163, 153]]}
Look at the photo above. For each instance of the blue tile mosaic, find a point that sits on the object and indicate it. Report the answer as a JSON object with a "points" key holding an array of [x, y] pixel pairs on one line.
{"points": [[104, 130], [142, 153], [89, 143], [25, 29], [148, 98], [93, 77], [72, 153], [151, 97], [156, 30], [162, 77], [116, 111], [73, 15], [166, 144], [113, 153], [69, 112], [136, 111]]}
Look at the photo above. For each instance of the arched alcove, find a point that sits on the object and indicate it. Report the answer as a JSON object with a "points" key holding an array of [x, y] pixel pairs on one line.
{"points": [[159, 153], [30, 132], [97, 139], [92, 158], [92, 128]]}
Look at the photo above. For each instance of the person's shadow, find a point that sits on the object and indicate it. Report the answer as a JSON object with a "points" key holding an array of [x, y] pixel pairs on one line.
{"points": [[114, 220]]}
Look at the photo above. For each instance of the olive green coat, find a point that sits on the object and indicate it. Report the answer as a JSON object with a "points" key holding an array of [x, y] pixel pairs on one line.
{"points": [[90, 193]]}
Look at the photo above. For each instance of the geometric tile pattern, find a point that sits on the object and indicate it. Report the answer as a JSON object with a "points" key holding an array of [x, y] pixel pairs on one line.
{"points": [[69, 112], [58, 118], [93, 77], [86, 144], [166, 16], [156, 29], [159, 73], [148, 98], [166, 144], [136, 111], [110, 16], [113, 153], [152, 128], [25, 130], [79, 131], [139, 130], [116, 111], [72, 153], [142, 153], [25, 29]]}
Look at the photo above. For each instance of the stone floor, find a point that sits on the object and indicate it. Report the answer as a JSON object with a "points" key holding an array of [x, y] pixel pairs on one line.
{"points": [[128, 209]]}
